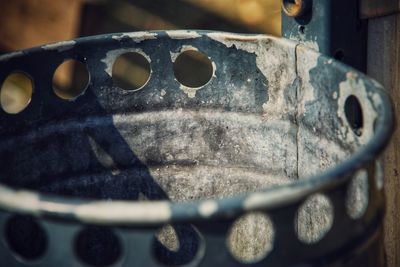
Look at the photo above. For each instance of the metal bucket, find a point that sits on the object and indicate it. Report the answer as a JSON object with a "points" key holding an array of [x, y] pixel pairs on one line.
{"points": [[268, 156]]}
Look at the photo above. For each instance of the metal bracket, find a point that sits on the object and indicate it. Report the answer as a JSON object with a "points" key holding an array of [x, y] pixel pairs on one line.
{"points": [[333, 27]]}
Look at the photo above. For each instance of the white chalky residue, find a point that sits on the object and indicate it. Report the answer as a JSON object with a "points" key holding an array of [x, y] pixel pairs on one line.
{"points": [[306, 62], [112, 55], [214, 68], [183, 49], [173, 56], [183, 34], [268, 60], [313, 44], [356, 87], [190, 91], [137, 37]]}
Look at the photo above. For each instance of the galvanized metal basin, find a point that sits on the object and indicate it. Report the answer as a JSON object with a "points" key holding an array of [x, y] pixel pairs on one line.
{"points": [[271, 161]]}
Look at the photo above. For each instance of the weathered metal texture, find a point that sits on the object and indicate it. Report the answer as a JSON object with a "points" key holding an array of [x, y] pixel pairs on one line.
{"points": [[266, 133], [333, 28], [378, 8]]}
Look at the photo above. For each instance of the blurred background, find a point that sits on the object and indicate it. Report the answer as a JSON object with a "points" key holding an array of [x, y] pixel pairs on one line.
{"points": [[31, 23]]}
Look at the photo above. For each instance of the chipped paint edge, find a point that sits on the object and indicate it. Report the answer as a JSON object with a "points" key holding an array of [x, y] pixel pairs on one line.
{"points": [[112, 55], [191, 91], [137, 37], [183, 34], [356, 87]]}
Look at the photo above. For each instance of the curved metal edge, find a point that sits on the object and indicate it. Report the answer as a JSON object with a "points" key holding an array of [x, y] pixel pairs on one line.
{"points": [[161, 212]]}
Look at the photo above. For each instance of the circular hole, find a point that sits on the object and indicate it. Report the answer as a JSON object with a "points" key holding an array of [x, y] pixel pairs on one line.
{"points": [[357, 195], [70, 79], [339, 55], [168, 238], [193, 69], [131, 71], [295, 8], [177, 245], [97, 246], [251, 238], [25, 237], [302, 29], [16, 93], [314, 219], [354, 114]]}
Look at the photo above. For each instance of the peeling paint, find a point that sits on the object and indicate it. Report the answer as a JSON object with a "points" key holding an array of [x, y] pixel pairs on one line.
{"points": [[275, 62], [191, 91], [137, 37], [183, 34], [183, 49], [112, 55], [313, 44], [356, 87], [308, 62], [214, 69]]}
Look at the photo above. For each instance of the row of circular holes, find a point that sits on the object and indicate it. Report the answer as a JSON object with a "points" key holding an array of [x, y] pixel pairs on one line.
{"points": [[98, 246], [131, 71]]}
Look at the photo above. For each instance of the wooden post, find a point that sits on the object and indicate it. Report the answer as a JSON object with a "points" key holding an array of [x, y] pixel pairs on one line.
{"points": [[384, 66]]}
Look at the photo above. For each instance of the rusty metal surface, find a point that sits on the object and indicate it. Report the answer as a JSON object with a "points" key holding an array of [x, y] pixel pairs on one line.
{"points": [[266, 133], [378, 8]]}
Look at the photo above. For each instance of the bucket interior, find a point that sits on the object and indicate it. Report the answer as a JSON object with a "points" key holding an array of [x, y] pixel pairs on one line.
{"points": [[240, 114], [259, 118]]}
